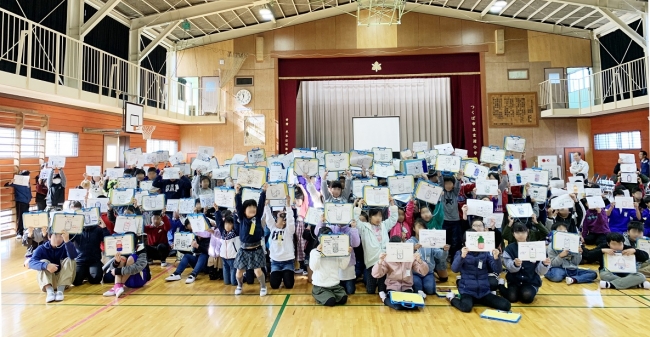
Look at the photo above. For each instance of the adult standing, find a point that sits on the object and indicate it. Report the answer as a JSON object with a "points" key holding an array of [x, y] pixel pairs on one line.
{"points": [[579, 166]]}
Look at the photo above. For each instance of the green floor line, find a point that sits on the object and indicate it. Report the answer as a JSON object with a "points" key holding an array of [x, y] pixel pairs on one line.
{"points": [[277, 318], [296, 294]]}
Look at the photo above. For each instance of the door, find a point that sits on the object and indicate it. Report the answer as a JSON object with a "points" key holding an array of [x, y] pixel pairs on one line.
{"points": [[111, 152], [557, 89]]}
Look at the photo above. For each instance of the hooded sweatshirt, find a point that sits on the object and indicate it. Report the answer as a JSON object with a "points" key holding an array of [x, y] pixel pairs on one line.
{"points": [[595, 223], [326, 271], [281, 239], [406, 226], [53, 254], [399, 275], [374, 238]]}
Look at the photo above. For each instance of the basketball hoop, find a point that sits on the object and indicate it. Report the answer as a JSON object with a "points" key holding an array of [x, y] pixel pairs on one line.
{"points": [[147, 130]]}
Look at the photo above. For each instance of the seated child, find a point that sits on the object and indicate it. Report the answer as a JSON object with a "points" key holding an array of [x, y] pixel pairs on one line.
{"points": [[564, 264], [132, 272], [326, 287], [523, 276], [197, 259], [399, 275], [281, 245], [89, 253], [635, 230], [620, 217], [609, 280], [474, 284], [435, 258], [55, 266], [595, 226], [479, 226], [347, 275], [157, 243], [374, 235]]}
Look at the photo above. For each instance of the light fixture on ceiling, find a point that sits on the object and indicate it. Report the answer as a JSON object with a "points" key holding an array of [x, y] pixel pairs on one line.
{"points": [[498, 6], [266, 13]]}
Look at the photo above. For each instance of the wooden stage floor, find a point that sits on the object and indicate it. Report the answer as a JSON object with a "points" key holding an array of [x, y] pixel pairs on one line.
{"points": [[208, 307]]}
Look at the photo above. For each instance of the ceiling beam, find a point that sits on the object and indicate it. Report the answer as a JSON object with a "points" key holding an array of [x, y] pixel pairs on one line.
{"points": [[568, 15], [266, 26], [191, 12], [624, 27], [553, 12], [153, 44], [584, 17], [97, 17], [610, 27], [618, 5], [489, 6]]}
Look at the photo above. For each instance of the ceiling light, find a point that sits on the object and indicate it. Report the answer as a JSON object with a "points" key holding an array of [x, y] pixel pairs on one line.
{"points": [[500, 3], [266, 13], [496, 9]]}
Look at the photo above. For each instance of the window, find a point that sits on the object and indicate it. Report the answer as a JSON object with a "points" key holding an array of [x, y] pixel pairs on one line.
{"points": [[154, 145], [111, 153], [618, 141], [29, 140], [64, 144], [578, 78]]}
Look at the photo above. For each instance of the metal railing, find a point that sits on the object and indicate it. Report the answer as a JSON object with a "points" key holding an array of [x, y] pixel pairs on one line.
{"points": [[625, 81], [37, 52]]}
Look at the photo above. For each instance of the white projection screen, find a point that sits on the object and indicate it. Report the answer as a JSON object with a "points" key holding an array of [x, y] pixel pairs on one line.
{"points": [[369, 132]]}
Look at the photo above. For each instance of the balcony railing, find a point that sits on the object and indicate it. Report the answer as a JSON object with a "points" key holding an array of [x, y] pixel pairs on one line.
{"points": [[37, 52], [626, 81]]}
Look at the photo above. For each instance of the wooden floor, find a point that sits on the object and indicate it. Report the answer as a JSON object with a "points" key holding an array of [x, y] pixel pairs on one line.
{"points": [[208, 307]]}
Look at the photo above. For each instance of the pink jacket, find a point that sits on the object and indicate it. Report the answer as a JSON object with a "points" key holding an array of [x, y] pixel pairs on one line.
{"points": [[405, 227], [399, 275]]}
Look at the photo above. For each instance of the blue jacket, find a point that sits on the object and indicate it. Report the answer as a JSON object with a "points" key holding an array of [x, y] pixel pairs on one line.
{"points": [[177, 189], [54, 255], [176, 226], [431, 256], [243, 225], [88, 244], [474, 280], [22, 193], [645, 167]]}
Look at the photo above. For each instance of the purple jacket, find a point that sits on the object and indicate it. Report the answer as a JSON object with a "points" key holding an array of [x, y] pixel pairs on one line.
{"points": [[303, 182], [594, 222], [355, 239]]}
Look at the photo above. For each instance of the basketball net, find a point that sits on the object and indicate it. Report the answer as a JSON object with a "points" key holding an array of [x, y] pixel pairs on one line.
{"points": [[147, 130]]}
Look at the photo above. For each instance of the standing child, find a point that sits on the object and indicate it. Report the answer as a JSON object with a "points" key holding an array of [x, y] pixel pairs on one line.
{"points": [[326, 287], [22, 196], [610, 280], [281, 248], [435, 258], [251, 232], [452, 217], [564, 265], [474, 284], [56, 188], [374, 236], [523, 276], [55, 264], [336, 193], [399, 275], [228, 245]]}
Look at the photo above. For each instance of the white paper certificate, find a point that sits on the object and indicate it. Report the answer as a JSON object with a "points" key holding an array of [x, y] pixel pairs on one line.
{"points": [[129, 223], [335, 245], [277, 191], [480, 241], [432, 238], [595, 202], [339, 213], [479, 207], [93, 171], [492, 155], [77, 194], [69, 222], [122, 197], [155, 202], [376, 196], [186, 205], [198, 223], [532, 251], [428, 192], [171, 173], [35, 220], [359, 184], [520, 210], [401, 184], [476, 171], [224, 197], [514, 144], [448, 163], [568, 241], [183, 241], [487, 187], [562, 201], [253, 177], [337, 161], [256, 156], [303, 166], [399, 252], [384, 170], [420, 146], [619, 263], [123, 244], [361, 159], [382, 154], [446, 149]]}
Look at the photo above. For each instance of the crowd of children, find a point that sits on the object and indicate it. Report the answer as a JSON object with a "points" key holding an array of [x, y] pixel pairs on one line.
{"points": [[278, 242]]}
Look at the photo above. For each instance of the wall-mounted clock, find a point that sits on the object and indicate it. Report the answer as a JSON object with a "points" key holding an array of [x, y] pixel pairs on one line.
{"points": [[243, 96]]}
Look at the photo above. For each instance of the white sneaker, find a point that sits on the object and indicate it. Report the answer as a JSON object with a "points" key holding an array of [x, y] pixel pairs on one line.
{"points": [[238, 291], [58, 297], [298, 271], [493, 292], [50, 297], [109, 293], [603, 284], [164, 264], [421, 293], [569, 280], [262, 292], [450, 296], [382, 295], [190, 279], [502, 281], [645, 285], [305, 273], [119, 291], [173, 277]]}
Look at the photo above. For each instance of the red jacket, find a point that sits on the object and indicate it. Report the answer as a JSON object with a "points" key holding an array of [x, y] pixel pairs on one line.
{"points": [[158, 234], [407, 225]]}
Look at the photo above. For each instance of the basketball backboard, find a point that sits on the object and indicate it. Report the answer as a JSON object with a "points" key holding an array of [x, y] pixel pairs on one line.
{"points": [[132, 117]]}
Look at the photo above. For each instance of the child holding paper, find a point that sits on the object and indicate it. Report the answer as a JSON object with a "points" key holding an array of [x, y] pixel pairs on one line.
{"points": [[523, 276], [478, 225], [474, 284], [157, 244], [336, 192], [610, 280], [595, 226], [436, 260], [619, 218], [55, 266], [404, 227], [227, 246], [89, 253], [22, 197], [301, 243], [538, 231], [435, 219], [132, 271], [399, 275], [567, 216], [452, 223], [197, 259], [374, 236], [564, 264], [281, 248], [326, 287], [347, 275], [56, 184], [201, 185], [251, 232]]}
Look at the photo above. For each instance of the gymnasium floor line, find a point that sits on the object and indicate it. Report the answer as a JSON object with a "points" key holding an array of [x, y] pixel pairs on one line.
{"points": [[306, 294], [528, 306], [643, 299], [279, 316], [87, 318]]}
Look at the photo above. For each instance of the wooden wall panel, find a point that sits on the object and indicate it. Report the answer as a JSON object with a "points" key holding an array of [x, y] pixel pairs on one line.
{"points": [[605, 160], [91, 146], [561, 51]]}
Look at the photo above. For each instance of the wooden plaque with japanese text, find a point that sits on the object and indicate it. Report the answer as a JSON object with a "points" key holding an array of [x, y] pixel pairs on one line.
{"points": [[513, 109]]}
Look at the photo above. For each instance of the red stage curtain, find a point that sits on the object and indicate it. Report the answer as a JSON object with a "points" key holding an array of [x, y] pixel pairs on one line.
{"points": [[465, 89]]}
